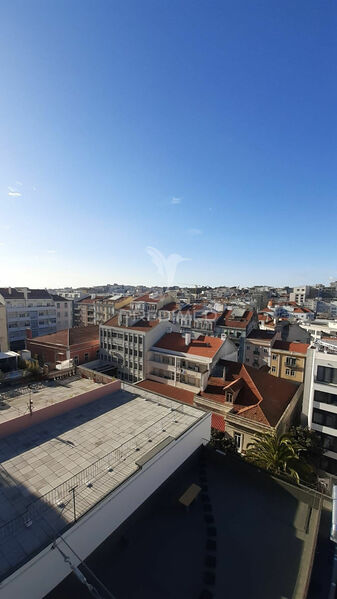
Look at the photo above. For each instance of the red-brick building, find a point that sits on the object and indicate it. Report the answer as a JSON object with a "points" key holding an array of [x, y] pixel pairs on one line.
{"points": [[80, 344]]}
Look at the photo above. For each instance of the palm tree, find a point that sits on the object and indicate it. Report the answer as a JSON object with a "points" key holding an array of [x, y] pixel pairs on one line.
{"points": [[280, 454]]}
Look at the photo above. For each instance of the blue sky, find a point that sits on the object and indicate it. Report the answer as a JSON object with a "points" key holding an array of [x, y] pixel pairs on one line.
{"points": [[200, 128]]}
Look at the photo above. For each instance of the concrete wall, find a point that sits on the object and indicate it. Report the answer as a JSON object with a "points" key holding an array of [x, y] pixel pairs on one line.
{"points": [[27, 420], [39, 576], [98, 377]]}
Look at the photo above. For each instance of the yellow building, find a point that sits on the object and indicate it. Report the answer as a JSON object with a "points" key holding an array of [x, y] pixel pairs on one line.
{"points": [[288, 360]]}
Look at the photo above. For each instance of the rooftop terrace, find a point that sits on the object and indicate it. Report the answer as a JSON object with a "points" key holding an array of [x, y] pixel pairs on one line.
{"points": [[15, 402], [92, 449]]}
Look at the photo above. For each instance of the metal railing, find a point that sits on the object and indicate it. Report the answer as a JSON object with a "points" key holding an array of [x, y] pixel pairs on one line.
{"points": [[58, 497]]}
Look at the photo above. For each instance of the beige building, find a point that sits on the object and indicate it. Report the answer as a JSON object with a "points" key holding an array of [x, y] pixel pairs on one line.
{"points": [[245, 401], [258, 344], [288, 360], [3, 327], [178, 360], [64, 312]]}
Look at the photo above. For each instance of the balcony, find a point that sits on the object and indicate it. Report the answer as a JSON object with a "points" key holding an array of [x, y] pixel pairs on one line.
{"points": [[162, 365]]}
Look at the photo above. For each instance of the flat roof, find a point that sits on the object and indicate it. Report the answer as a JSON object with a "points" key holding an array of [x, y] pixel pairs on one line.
{"points": [[228, 544], [15, 402], [93, 448]]}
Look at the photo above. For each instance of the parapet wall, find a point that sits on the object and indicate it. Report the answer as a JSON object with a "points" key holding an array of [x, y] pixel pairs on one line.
{"points": [[21, 423]]}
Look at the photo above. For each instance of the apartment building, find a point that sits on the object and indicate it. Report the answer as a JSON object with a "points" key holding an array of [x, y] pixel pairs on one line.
{"points": [[236, 324], [257, 349], [319, 410], [64, 312], [244, 401], [147, 306], [300, 294], [321, 327], [105, 308], [84, 312], [177, 359], [3, 326], [288, 360], [28, 309], [124, 342]]}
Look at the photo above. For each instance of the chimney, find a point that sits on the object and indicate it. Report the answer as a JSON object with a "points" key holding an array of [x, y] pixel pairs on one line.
{"points": [[224, 373], [10, 290], [187, 338], [29, 334]]}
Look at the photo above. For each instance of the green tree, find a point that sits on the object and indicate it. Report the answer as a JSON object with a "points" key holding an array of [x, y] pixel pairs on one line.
{"points": [[220, 441], [310, 443], [280, 455]]}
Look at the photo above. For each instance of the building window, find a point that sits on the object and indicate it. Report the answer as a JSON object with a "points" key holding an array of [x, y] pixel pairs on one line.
{"points": [[238, 441], [327, 375], [288, 371], [292, 373], [274, 356], [229, 396], [273, 368], [291, 361], [76, 360], [86, 357]]}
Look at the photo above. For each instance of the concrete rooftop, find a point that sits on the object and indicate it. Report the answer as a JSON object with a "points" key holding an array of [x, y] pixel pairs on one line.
{"points": [[15, 402], [93, 448]]}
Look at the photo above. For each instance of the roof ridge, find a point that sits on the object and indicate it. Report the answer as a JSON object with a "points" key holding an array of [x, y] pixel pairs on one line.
{"points": [[244, 369]]}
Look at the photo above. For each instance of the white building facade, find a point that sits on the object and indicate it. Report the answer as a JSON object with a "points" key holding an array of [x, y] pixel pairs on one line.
{"points": [[125, 344], [28, 309], [319, 410]]}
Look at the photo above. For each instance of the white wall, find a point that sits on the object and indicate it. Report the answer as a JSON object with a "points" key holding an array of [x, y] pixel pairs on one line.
{"points": [[39, 576]]}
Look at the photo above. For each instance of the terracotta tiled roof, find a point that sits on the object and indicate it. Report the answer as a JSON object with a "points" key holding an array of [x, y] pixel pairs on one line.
{"points": [[171, 307], [69, 337], [293, 346], [225, 319], [203, 346], [218, 422], [141, 325], [147, 298], [261, 396], [168, 391]]}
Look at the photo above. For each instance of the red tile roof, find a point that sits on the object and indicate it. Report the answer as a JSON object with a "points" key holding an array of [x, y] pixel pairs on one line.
{"points": [[148, 299], [225, 319], [293, 346], [69, 337], [204, 346], [168, 391], [261, 396], [171, 307], [218, 422]]}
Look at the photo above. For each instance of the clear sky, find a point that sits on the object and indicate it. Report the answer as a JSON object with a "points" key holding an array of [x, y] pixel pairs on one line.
{"points": [[204, 129]]}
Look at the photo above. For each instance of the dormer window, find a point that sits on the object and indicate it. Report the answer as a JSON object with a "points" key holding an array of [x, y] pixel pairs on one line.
{"points": [[229, 396]]}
